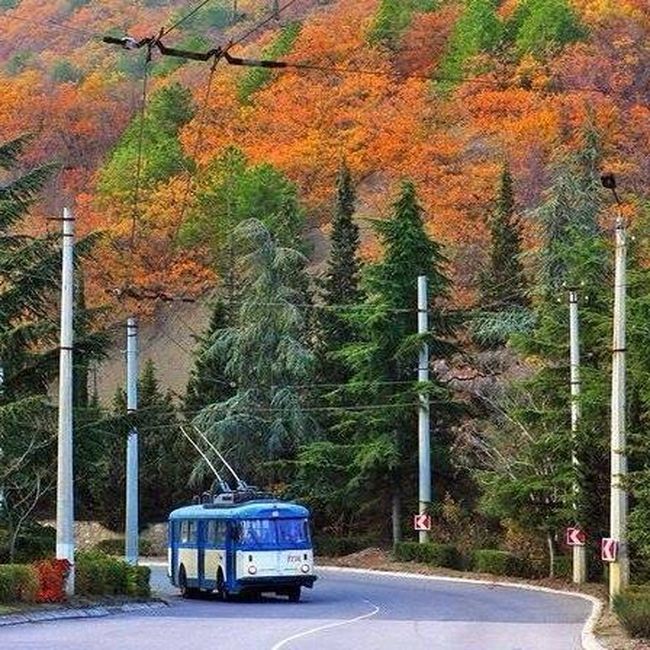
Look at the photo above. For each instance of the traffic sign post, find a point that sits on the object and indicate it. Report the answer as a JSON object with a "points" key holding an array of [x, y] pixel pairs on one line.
{"points": [[422, 522], [609, 549], [575, 537]]}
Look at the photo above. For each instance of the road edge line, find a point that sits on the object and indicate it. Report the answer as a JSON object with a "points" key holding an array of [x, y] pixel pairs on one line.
{"points": [[588, 637]]}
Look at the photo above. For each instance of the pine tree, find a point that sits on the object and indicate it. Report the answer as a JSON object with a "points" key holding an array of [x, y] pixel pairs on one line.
{"points": [[504, 282], [208, 383], [384, 361], [340, 286], [265, 354]]}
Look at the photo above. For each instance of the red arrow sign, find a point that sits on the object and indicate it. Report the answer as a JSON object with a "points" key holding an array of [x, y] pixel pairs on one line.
{"points": [[608, 549], [422, 522], [575, 537]]}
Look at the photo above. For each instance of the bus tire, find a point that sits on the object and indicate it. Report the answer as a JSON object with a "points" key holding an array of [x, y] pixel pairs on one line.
{"points": [[186, 592], [294, 594]]}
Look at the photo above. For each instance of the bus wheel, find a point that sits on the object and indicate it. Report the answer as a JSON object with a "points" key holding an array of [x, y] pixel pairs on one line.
{"points": [[186, 592], [294, 594]]}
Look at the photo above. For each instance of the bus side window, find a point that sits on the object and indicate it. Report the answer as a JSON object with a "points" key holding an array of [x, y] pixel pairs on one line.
{"points": [[185, 532], [192, 531]]}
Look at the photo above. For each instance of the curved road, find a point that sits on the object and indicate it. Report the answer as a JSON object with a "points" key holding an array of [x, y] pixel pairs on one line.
{"points": [[344, 611]]}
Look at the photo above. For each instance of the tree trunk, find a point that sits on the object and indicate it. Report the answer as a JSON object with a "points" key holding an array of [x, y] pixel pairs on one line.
{"points": [[396, 513], [551, 555]]}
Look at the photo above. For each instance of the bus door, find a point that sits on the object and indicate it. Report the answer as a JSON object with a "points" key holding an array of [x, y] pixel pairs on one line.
{"points": [[173, 533], [231, 554], [201, 536]]}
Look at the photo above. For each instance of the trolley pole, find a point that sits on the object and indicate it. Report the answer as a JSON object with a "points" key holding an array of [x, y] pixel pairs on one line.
{"points": [[64, 476], [619, 570], [424, 428], [131, 528], [579, 552]]}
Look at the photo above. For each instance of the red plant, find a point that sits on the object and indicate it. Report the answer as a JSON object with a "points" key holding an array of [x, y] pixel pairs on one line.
{"points": [[51, 575]]}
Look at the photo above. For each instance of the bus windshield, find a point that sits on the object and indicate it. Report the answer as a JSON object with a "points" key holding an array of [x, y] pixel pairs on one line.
{"points": [[265, 533]]}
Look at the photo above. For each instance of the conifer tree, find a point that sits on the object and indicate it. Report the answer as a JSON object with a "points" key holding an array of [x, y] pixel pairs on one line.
{"points": [[504, 282], [383, 362], [340, 286]]}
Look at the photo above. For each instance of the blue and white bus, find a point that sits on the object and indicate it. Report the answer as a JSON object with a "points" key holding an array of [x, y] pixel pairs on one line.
{"points": [[241, 544]]}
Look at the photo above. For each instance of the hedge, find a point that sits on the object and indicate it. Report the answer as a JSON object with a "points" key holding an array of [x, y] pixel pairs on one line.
{"points": [[19, 583], [500, 563], [337, 546], [116, 546], [97, 573], [441, 555], [633, 610]]}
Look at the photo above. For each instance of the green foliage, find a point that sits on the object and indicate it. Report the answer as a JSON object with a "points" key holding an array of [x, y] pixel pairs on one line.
{"points": [[499, 563], [232, 192], [19, 62], [35, 542], [256, 78], [215, 15], [563, 567], [98, 574], [540, 27], [266, 355], [440, 555], [18, 583], [116, 546], [169, 109], [633, 610], [63, 71], [393, 18], [477, 31]]}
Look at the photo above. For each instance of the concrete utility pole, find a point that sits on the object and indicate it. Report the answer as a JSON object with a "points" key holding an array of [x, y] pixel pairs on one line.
{"points": [[131, 529], [579, 552], [424, 427], [619, 571], [64, 476]]}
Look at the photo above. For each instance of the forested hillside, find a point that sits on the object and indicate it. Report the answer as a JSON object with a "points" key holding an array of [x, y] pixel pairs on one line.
{"points": [[445, 92], [462, 140]]}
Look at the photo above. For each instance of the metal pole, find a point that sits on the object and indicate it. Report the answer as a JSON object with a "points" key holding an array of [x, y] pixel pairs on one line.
{"points": [[579, 552], [424, 428], [131, 529], [64, 477], [619, 571]]}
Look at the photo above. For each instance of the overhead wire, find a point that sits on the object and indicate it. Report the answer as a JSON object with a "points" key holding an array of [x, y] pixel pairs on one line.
{"points": [[184, 18]]}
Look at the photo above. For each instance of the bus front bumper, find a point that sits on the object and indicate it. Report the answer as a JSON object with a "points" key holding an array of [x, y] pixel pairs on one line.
{"points": [[271, 583]]}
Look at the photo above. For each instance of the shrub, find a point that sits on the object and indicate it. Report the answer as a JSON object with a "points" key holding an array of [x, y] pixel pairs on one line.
{"points": [[563, 566], [633, 610], [338, 546], [51, 577], [18, 583], [440, 555], [498, 562], [116, 546], [100, 574]]}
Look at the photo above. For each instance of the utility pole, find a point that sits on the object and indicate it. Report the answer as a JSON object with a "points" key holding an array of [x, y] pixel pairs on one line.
{"points": [[424, 428], [131, 528], [64, 476], [619, 570], [579, 552]]}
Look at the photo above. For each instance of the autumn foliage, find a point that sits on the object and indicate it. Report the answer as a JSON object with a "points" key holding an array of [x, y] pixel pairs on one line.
{"points": [[430, 101]]}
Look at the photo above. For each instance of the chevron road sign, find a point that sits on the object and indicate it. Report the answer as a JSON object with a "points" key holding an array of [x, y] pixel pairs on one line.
{"points": [[422, 522], [608, 549], [575, 537]]}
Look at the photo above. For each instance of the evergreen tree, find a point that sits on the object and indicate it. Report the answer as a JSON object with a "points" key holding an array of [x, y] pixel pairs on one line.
{"points": [[340, 286], [384, 360], [208, 383], [504, 282], [265, 354], [29, 271]]}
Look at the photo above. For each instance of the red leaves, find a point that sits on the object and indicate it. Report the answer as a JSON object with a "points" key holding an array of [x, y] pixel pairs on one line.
{"points": [[51, 575]]}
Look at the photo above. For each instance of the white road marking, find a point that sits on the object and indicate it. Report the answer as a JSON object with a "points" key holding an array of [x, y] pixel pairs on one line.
{"points": [[329, 626]]}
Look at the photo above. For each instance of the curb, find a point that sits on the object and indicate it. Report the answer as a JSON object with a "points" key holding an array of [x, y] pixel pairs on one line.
{"points": [[75, 613], [588, 638]]}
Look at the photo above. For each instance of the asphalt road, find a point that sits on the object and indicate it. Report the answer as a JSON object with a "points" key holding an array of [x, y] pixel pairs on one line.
{"points": [[343, 612]]}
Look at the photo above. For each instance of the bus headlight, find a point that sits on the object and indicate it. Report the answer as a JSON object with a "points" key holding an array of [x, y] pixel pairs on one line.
{"points": [[305, 568], [252, 569]]}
